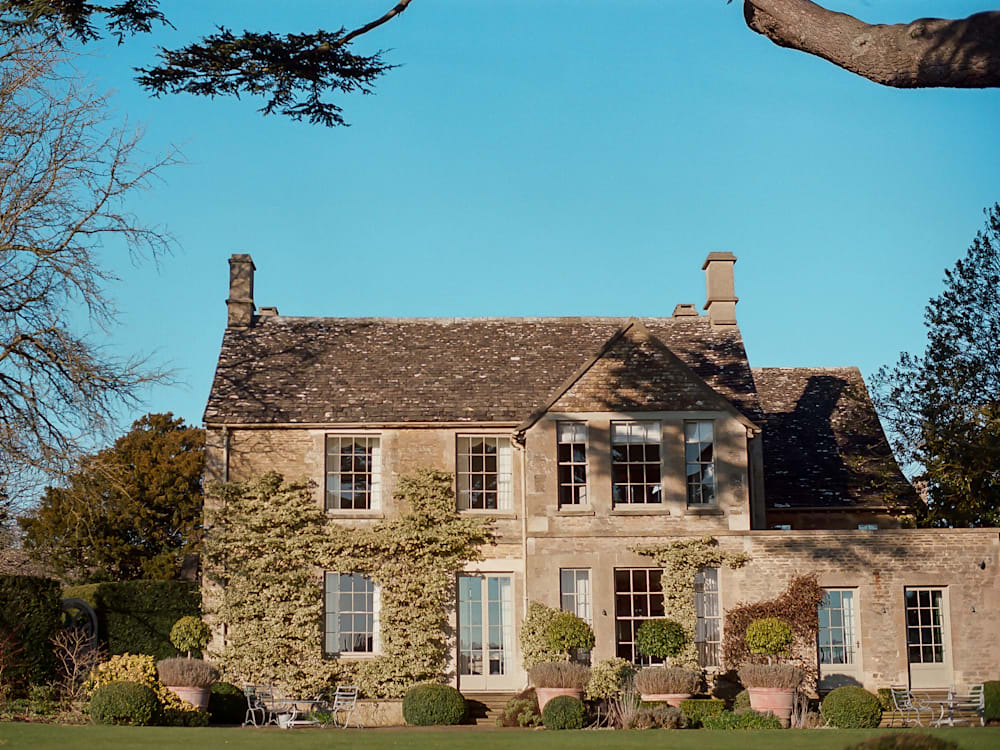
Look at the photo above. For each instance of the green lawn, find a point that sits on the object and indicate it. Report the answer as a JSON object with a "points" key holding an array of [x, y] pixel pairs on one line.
{"points": [[48, 737]]}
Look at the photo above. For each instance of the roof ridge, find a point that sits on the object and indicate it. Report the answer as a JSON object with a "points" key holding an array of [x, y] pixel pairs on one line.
{"points": [[486, 318]]}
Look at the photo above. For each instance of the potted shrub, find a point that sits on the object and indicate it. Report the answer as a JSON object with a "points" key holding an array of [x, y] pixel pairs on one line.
{"points": [[191, 679], [554, 678], [667, 684], [771, 686], [664, 639]]}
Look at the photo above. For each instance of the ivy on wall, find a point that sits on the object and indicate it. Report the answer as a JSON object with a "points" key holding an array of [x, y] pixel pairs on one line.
{"points": [[266, 546], [680, 561]]}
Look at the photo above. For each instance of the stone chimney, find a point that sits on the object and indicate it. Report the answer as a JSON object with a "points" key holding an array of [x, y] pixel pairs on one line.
{"points": [[240, 302], [720, 294]]}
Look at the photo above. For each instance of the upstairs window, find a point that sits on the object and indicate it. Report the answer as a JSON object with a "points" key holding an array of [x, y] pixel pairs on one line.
{"points": [[572, 456], [635, 462], [483, 473], [699, 458], [352, 472]]}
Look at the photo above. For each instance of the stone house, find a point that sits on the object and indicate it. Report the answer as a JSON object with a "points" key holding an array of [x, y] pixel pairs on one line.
{"points": [[584, 437]]}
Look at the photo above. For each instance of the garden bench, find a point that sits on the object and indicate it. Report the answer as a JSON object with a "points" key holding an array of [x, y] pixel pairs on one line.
{"points": [[905, 704]]}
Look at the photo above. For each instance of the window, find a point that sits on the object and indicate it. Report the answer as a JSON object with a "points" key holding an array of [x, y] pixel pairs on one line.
{"points": [[635, 462], [638, 597], [352, 472], [836, 627], [699, 458], [484, 473], [708, 622], [868, 526], [351, 614], [574, 589], [925, 626], [572, 456], [781, 527]]}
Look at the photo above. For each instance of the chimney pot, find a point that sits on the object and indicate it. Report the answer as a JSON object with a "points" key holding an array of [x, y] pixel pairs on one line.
{"points": [[720, 294], [240, 302]]}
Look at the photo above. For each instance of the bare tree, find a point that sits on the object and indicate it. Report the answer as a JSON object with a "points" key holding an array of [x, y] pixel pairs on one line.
{"points": [[66, 174], [76, 654]]}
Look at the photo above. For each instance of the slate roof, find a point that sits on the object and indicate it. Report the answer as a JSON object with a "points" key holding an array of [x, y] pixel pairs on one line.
{"points": [[328, 370], [823, 443]]}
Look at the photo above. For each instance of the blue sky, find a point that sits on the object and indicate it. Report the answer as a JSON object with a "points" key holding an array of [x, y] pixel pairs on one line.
{"points": [[542, 157]]}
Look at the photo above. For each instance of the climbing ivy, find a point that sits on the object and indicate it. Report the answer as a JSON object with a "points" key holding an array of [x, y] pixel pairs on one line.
{"points": [[267, 546], [680, 561]]}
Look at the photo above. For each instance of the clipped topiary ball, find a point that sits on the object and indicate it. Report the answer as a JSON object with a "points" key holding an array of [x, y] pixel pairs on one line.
{"points": [[661, 639], [852, 707], [190, 634], [769, 635], [433, 705], [564, 712], [227, 704], [125, 703]]}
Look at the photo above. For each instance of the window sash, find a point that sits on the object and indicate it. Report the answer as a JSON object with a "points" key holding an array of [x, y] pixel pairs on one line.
{"points": [[699, 462], [925, 625], [708, 617], [484, 472], [351, 622], [571, 455], [353, 472], [574, 592], [837, 629], [636, 463], [638, 597]]}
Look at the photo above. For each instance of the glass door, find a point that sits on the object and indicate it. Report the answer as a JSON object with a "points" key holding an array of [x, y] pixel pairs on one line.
{"points": [[486, 658], [927, 638], [839, 640]]}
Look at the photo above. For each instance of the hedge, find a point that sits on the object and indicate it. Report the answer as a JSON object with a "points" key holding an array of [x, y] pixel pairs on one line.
{"points": [[32, 607], [992, 690], [135, 617]]}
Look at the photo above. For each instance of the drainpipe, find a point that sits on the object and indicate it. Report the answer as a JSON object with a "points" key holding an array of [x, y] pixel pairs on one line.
{"points": [[225, 454], [521, 443]]}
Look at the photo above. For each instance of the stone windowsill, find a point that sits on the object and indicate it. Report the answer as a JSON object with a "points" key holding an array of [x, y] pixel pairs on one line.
{"points": [[650, 509], [355, 514], [576, 510], [498, 514], [713, 510]]}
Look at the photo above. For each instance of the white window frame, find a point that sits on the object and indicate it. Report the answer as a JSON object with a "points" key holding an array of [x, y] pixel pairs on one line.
{"points": [[465, 469], [695, 490], [847, 627], [631, 433], [374, 474], [654, 602], [708, 618], [572, 434], [332, 614], [576, 598], [926, 624]]}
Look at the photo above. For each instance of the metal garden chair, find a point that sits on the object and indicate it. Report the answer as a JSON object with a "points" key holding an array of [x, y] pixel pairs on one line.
{"points": [[905, 704], [345, 700]]}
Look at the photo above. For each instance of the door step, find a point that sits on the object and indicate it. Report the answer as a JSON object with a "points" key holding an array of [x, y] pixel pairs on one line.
{"points": [[486, 708]]}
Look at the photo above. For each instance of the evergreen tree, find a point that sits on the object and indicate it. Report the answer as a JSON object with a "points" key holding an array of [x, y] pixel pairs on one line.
{"points": [[130, 511], [943, 408]]}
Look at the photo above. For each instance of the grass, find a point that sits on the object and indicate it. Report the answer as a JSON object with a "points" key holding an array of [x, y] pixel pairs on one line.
{"points": [[15, 736]]}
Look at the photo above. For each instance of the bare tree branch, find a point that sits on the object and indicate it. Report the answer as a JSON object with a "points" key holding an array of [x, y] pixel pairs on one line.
{"points": [[929, 52], [389, 15], [66, 176]]}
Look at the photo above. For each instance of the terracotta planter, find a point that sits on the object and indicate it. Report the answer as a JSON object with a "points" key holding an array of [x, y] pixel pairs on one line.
{"points": [[546, 694], [197, 697], [674, 699], [778, 701]]}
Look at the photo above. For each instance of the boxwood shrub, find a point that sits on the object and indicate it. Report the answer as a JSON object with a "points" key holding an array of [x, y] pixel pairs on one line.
{"points": [[852, 707], [564, 712], [227, 704], [433, 705], [741, 702], [992, 690], [32, 608], [696, 709], [125, 703], [746, 720]]}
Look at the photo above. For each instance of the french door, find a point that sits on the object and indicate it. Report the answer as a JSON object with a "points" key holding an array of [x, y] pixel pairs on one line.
{"points": [[839, 640], [927, 637], [486, 653]]}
